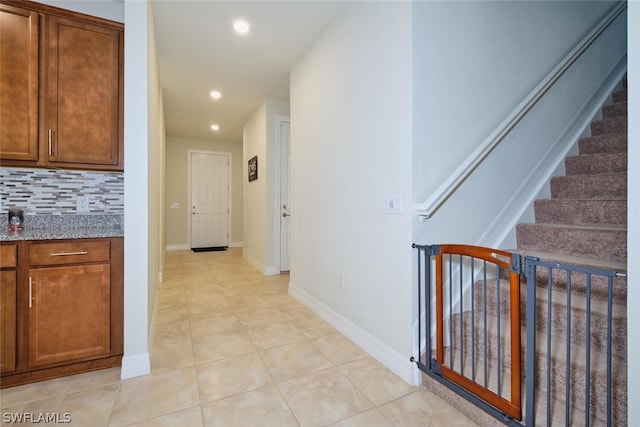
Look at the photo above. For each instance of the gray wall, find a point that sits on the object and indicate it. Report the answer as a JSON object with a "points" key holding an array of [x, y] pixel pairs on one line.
{"points": [[177, 185]]}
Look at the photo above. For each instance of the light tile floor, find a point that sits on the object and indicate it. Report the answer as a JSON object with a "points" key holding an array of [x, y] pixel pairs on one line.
{"points": [[231, 348]]}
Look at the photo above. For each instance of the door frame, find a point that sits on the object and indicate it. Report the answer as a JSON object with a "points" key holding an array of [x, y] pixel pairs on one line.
{"points": [[277, 203], [229, 157]]}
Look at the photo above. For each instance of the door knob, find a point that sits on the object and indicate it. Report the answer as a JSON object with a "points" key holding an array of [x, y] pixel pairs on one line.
{"points": [[284, 215]]}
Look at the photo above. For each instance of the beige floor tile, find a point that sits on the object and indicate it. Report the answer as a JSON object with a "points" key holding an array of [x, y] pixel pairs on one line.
{"points": [[294, 360], [338, 348], [191, 417], [264, 407], [313, 326], [209, 348], [90, 407], [171, 315], [206, 324], [274, 334], [323, 398], [211, 307], [424, 409], [47, 389], [377, 383], [149, 397], [170, 355], [248, 302], [370, 418], [292, 308], [256, 318], [227, 377], [172, 331]]}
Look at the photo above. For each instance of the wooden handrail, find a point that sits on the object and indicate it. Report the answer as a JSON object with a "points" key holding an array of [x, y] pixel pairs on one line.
{"points": [[448, 187]]}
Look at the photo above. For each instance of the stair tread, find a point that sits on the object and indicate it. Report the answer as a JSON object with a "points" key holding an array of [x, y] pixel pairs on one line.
{"points": [[559, 345], [559, 297], [620, 267], [577, 227]]}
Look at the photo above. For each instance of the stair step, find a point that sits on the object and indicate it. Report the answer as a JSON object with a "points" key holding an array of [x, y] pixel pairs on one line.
{"points": [[589, 186], [582, 211], [620, 95], [609, 243], [597, 163], [609, 125], [615, 109], [559, 316], [614, 143], [557, 365]]}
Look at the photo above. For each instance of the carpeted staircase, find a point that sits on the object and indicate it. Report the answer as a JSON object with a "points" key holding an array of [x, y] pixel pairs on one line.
{"points": [[584, 223]]}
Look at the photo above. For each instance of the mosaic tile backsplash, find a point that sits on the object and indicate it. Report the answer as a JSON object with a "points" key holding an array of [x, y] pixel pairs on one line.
{"points": [[55, 191]]}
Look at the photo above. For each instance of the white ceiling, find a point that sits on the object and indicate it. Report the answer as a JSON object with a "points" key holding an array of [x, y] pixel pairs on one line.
{"points": [[198, 51]]}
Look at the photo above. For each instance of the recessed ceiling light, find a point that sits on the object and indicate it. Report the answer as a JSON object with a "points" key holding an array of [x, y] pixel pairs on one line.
{"points": [[241, 26], [215, 127], [215, 94]]}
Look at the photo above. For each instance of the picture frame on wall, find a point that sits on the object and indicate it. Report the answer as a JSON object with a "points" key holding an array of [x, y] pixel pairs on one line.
{"points": [[253, 168]]}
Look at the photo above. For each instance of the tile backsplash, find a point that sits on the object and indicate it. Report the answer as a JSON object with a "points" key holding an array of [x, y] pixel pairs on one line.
{"points": [[55, 191]]}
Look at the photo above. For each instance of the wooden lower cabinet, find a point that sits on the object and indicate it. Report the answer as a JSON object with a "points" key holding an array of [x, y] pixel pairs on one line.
{"points": [[69, 313], [68, 309], [8, 286], [8, 318]]}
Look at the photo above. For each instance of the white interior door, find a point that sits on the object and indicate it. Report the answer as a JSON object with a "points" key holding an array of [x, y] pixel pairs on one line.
{"points": [[285, 187], [209, 200]]}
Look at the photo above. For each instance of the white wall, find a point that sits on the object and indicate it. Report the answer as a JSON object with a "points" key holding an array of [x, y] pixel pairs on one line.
{"points": [[254, 139], [156, 174], [178, 183], [351, 146], [143, 162], [474, 62], [633, 214], [259, 196]]}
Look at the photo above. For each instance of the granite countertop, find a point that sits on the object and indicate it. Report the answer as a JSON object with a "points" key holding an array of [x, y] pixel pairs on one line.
{"points": [[55, 227]]}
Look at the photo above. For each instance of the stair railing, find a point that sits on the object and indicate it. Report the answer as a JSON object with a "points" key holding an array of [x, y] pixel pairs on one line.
{"points": [[589, 386], [575, 349], [460, 356], [448, 187]]}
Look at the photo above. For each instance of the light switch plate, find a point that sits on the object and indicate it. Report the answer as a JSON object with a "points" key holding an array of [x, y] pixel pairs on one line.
{"points": [[392, 204]]}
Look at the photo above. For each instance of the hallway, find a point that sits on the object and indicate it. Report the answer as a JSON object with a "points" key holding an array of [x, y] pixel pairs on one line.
{"points": [[231, 348]]}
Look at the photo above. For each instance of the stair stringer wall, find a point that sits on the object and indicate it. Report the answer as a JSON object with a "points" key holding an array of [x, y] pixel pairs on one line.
{"points": [[488, 204], [470, 215], [519, 208]]}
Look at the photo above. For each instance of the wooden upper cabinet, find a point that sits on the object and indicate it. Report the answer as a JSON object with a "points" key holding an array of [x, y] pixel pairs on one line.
{"points": [[19, 83], [61, 88], [83, 94]]}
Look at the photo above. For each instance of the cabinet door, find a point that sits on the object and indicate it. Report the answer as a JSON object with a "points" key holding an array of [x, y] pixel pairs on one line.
{"points": [[83, 91], [19, 51], [8, 318], [68, 314]]}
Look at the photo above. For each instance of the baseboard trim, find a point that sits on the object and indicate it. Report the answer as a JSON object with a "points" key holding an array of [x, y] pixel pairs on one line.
{"points": [[137, 365], [182, 247], [397, 363], [235, 244], [254, 262]]}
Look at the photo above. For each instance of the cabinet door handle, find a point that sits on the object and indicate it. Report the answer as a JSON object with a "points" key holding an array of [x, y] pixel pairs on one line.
{"points": [[50, 141], [30, 292], [70, 253]]}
